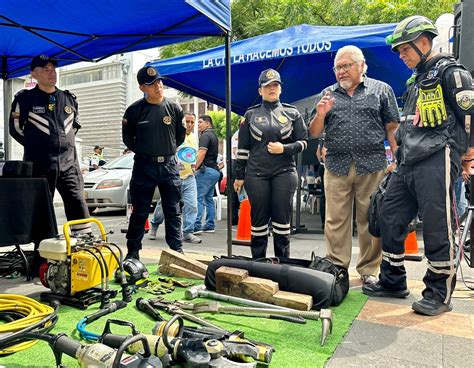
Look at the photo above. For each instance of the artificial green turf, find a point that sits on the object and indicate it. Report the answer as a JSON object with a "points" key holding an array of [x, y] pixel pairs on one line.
{"points": [[296, 345]]}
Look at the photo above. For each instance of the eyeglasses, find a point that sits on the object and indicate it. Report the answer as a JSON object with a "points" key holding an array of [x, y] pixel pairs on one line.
{"points": [[344, 67], [190, 121]]}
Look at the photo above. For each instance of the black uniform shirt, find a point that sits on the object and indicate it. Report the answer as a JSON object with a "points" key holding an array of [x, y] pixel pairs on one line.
{"points": [[152, 129], [208, 141], [355, 126], [265, 123], [46, 125]]}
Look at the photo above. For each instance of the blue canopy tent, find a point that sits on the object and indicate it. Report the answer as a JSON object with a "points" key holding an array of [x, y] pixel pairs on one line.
{"points": [[304, 55], [91, 30]]}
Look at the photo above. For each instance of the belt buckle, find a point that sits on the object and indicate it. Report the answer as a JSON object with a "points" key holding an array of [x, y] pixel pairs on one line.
{"points": [[160, 159]]}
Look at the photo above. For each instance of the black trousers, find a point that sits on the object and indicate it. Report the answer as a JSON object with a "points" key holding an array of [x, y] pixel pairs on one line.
{"points": [[146, 176], [426, 187], [70, 186], [270, 198]]}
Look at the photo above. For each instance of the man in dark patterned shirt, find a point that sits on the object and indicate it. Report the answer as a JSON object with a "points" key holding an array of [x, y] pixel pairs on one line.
{"points": [[357, 114]]}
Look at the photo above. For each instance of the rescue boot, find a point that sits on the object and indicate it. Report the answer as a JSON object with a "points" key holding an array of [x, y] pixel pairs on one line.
{"points": [[431, 307], [377, 290]]}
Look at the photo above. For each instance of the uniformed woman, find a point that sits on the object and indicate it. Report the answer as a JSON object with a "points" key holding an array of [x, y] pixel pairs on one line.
{"points": [[270, 135]]}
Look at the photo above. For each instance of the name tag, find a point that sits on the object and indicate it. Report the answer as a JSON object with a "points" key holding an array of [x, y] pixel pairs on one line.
{"points": [[39, 109]]}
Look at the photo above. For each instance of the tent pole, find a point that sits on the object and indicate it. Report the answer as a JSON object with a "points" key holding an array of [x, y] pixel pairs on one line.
{"points": [[7, 99], [228, 143]]}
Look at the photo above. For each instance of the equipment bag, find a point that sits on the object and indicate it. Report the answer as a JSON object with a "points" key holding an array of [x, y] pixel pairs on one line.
{"points": [[318, 277], [374, 206]]}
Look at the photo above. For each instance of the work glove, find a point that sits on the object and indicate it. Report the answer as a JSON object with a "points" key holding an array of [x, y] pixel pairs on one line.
{"points": [[430, 104]]}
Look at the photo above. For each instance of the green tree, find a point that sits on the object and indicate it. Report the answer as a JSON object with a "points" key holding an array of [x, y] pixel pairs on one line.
{"points": [[251, 18], [218, 121]]}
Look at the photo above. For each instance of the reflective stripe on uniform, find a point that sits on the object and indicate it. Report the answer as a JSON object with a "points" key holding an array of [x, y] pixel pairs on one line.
{"points": [[282, 229], [303, 144], [16, 120], [39, 122], [457, 79], [259, 230], [257, 138], [392, 255], [68, 123], [393, 263], [287, 135], [286, 128], [242, 154]]}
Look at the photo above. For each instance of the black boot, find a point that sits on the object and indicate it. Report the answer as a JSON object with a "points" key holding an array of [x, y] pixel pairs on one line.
{"points": [[431, 307], [378, 290], [132, 254]]}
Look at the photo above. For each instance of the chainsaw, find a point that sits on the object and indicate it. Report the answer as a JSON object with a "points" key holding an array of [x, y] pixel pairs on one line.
{"points": [[76, 266]]}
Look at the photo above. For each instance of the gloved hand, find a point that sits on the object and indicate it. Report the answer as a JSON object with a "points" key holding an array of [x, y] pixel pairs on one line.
{"points": [[430, 104]]}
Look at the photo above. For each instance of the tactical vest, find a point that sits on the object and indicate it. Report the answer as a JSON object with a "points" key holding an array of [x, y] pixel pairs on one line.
{"points": [[415, 143]]}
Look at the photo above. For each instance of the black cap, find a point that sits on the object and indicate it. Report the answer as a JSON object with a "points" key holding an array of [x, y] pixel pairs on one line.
{"points": [[268, 76], [98, 147], [148, 75], [42, 61]]}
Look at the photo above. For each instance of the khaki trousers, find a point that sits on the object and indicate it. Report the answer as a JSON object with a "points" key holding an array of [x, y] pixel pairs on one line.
{"points": [[341, 191]]}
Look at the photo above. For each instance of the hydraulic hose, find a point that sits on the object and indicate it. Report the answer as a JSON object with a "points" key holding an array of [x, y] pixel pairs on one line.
{"points": [[36, 317]]}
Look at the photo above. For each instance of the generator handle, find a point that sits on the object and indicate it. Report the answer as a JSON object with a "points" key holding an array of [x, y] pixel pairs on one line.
{"points": [[66, 229]]}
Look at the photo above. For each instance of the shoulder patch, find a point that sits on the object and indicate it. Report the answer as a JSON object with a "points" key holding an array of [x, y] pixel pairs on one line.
{"points": [[288, 105], [254, 106], [465, 99]]}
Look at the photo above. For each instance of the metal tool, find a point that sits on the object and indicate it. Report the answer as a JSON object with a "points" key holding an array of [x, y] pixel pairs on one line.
{"points": [[325, 315], [175, 309], [199, 291]]}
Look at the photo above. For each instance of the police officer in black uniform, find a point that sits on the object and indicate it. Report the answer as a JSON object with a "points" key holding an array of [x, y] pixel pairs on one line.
{"points": [[270, 134], [432, 139], [152, 128], [45, 120]]}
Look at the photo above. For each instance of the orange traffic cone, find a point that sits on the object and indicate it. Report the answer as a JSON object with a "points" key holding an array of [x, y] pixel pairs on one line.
{"points": [[147, 226], [243, 227], [411, 247]]}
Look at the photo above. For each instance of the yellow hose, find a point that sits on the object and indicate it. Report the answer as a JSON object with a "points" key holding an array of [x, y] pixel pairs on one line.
{"points": [[33, 312]]}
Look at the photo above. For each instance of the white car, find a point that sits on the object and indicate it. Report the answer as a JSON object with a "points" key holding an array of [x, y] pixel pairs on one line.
{"points": [[107, 186]]}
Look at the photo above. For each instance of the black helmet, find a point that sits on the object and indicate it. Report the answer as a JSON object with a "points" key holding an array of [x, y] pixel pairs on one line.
{"points": [[409, 29], [135, 272]]}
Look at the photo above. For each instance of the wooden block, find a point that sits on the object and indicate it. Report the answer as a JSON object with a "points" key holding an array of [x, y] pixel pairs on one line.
{"points": [[258, 289], [169, 257], [228, 280], [174, 270], [292, 300], [203, 258], [236, 282]]}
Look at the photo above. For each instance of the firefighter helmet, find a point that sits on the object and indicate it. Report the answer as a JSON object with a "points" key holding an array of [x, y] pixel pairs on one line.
{"points": [[409, 29]]}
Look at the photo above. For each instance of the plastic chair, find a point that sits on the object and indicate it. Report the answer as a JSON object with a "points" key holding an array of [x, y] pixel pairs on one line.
{"points": [[218, 202]]}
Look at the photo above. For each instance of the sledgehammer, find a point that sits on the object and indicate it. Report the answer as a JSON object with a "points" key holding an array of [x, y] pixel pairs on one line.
{"points": [[200, 291], [325, 315]]}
